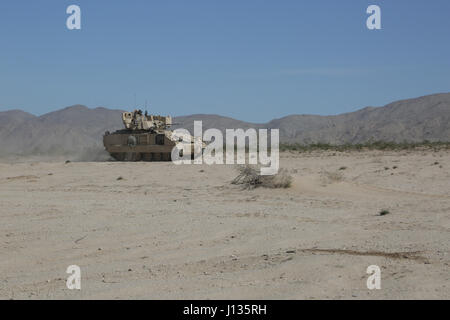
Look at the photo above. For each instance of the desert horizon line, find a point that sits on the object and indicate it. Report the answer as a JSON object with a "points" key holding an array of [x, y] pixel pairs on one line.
{"points": [[225, 116]]}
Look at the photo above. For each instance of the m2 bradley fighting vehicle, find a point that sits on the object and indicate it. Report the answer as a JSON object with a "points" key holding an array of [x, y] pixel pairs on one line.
{"points": [[146, 138]]}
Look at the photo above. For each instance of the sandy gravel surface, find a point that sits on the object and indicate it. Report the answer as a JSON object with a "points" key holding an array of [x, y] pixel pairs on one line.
{"points": [[166, 231]]}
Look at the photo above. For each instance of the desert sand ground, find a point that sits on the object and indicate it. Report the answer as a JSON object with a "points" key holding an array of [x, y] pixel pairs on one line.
{"points": [[184, 232]]}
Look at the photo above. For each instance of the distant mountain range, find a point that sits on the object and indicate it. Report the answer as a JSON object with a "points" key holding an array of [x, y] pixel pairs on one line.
{"points": [[77, 131]]}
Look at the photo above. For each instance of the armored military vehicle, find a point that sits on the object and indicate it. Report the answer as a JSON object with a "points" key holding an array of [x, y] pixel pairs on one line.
{"points": [[146, 138]]}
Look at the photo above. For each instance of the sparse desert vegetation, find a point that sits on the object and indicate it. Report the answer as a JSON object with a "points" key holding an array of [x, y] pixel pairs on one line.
{"points": [[249, 177], [377, 145]]}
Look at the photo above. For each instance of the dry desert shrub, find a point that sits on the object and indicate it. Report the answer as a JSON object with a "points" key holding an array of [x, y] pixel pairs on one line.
{"points": [[249, 177]]}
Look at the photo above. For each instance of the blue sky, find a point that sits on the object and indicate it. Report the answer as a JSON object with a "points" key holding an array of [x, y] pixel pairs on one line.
{"points": [[250, 59]]}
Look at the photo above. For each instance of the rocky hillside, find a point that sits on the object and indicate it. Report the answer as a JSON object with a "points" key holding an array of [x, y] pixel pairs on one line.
{"points": [[77, 131]]}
